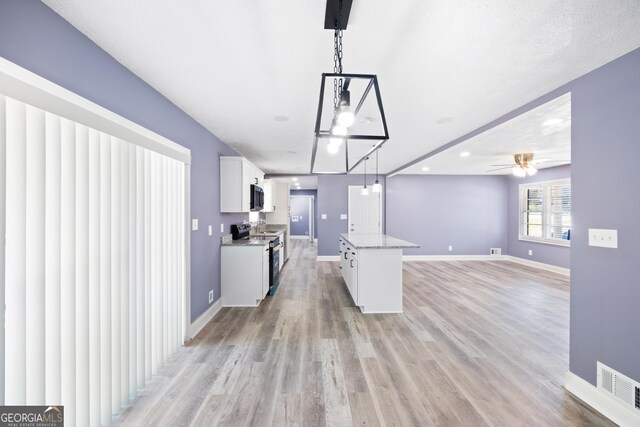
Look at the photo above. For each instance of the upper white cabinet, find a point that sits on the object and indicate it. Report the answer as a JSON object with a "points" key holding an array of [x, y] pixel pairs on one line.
{"points": [[270, 187], [236, 176]]}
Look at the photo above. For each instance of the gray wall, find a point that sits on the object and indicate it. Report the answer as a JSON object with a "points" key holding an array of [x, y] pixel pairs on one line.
{"points": [[333, 200], [605, 293], [36, 38], [313, 193], [435, 211], [542, 252]]}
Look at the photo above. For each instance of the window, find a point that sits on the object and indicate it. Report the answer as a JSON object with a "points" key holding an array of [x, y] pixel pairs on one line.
{"points": [[545, 211]]}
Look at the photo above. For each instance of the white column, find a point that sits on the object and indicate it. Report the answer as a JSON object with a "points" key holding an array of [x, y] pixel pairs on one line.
{"points": [[68, 269], [94, 279], [53, 360], [15, 369], [35, 256], [115, 276], [105, 280]]}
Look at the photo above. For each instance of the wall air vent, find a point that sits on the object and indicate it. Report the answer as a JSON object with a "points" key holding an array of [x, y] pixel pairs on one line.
{"points": [[620, 387]]}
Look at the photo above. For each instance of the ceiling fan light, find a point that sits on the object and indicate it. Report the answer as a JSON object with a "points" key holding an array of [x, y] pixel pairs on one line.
{"points": [[531, 170], [377, 187], [518, 171]]}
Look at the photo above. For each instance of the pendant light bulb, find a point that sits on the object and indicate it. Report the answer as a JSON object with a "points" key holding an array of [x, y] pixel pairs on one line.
{"points": [[339, 130], [345, 117], [377, 187], [334, 147], [531, 170], [364, 191]]}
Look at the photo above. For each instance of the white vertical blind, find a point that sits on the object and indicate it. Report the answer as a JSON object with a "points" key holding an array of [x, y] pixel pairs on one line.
{"points": [[93, 270], [3, 166], [35, 260]]}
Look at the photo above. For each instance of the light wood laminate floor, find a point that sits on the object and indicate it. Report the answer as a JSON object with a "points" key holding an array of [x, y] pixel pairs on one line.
{"points": [[480, 343]]}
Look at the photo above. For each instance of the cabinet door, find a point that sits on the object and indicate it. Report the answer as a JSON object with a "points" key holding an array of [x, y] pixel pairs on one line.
{"points": [[265, 272], [353, 263], [268, 195]]}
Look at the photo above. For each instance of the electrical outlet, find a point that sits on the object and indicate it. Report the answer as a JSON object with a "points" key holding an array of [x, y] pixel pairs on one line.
{"points": [[530, 252], [450, 248], [222, 228], [211, 230], [210, 296]]}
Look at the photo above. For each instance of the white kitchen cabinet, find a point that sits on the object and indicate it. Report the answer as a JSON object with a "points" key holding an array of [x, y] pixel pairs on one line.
{"points": [[236, 176], [269, 188], [245, 274]]}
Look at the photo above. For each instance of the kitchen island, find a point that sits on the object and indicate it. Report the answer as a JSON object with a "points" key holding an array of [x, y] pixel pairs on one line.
{"points": [[371, 265]]}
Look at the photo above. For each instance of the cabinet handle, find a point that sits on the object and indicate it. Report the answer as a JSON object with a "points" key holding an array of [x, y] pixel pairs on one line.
{"points": [[256, 180], [351, 263], [345, 255], [274, 207]]}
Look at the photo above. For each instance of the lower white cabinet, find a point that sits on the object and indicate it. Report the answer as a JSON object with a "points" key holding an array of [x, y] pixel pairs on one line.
{"points": [[245, 274], [373, 277]]}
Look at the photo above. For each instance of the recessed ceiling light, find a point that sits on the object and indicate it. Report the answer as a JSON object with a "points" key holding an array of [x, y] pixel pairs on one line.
{"points": [[426, 168], [294, 179], [281, 119], [552, 122], [465, 154]]}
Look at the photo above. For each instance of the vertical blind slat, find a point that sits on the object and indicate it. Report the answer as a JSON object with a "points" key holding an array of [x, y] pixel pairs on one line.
{"points": [[124, 273], [133, 290], [82, 275], [105, 279], [115, 275], [147, 266], [94, 278], [3, 204], [140, 267], [52, 260], [35, 256], [67, 270], [15, 368]]}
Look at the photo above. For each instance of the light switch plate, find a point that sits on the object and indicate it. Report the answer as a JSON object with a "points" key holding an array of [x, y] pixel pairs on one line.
{"points": [[210, 296], [603, 238], [323, 216], [194, 224], [210, 230], [343, 216], [222, 228], [530, 252]]}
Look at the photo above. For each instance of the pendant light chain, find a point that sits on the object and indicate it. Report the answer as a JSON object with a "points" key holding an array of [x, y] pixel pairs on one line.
{"points": [[337, 57]]}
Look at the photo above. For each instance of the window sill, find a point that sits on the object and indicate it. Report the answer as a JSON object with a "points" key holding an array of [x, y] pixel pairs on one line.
{"points": [[562, 243]]}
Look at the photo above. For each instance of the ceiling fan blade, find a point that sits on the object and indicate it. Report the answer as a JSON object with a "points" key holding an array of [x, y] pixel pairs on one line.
{"points": [[499, 169], [510, 164], [551, 161]]}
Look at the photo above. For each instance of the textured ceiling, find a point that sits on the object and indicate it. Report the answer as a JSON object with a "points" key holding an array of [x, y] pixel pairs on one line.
{"points": [[544, 131], [250, 70]]}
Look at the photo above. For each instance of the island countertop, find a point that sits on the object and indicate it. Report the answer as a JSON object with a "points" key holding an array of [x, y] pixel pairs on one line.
{"points": [[376, 241]]}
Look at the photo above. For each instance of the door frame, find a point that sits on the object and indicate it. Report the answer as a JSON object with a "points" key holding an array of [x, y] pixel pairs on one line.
{"points": [[349, 207], [312, 215]]}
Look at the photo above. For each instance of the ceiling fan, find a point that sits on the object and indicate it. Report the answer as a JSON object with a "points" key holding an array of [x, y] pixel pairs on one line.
{"points": [[524, 165]]}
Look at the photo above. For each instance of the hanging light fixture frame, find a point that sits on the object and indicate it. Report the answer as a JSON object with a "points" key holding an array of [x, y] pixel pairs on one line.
{"points": [[341, 83]]}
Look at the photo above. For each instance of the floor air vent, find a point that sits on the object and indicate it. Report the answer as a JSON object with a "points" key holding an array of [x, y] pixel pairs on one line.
{"points": [[620, 387]]}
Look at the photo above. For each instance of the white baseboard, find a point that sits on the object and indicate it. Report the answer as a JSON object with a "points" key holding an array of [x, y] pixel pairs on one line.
{"points": [[599, 401], [297, 237], [452, 257], [540, 265], [204, 318], [328, 258]]}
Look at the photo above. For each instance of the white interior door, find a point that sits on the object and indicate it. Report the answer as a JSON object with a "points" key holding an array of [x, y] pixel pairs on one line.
{"points": [[364, 211]]}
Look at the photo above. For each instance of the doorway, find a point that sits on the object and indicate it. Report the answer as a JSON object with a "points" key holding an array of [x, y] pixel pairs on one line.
{"points": [[302, 217], [365, 212]]}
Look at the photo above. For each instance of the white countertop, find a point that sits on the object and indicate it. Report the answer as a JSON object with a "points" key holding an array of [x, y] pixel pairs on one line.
{"points": [[376, 241]]}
